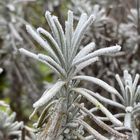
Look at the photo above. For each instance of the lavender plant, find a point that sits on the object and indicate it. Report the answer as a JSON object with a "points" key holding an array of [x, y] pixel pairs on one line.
{"points": [[11, 21], [61, 116], [129, 31], [119, 24], [10, 129], [101, 18], [129, 91], [13, 36]]}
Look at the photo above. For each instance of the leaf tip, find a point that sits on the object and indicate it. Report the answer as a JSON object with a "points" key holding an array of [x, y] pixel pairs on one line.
{"points": [[118, 47]]}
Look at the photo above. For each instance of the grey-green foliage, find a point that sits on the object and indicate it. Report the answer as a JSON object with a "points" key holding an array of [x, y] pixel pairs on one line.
{"points": [[110, 25], [13, 36], [11, 20], [130, 91], [128, 105], [129, 30], [10, 129], [61, 115], [99, 11], [86, 6]]}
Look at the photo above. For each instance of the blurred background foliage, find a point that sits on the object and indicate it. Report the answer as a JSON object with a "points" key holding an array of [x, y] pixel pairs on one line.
{"points": [[23, 80]]}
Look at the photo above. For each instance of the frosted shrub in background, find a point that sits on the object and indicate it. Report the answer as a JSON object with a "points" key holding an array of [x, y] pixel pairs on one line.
{"points": [[12, 36], [10, 129]]}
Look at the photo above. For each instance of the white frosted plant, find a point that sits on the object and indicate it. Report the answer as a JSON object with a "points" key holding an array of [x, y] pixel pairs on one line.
{"points": [[128, 106], [9, 128], [13, 36], [130, 30], [133, 17], [11, 20], [85, 6], [130, 91], [101, 18], [60, 105]]}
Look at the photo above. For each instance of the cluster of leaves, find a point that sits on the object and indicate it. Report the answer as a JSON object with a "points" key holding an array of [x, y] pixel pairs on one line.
{"points": [[16, 69], [116, 22], [62, 117], [11, 129]]}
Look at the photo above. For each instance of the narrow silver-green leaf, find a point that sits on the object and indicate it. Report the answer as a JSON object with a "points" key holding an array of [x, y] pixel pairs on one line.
{"points": [[61, 35], [52, 26], [84, 64], [77, 40], [121, 86], [69, 33], [101, 123], [91, 131], [103, 51], [134, 86], [30, 54], [82, 20], [43, 44], [84, 51], [99, 105], [101, 83], [105, 100], [49, 94], [52, 44], [52, 63]]}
